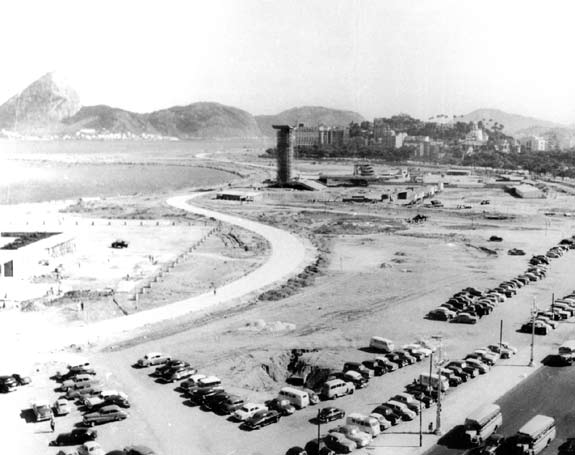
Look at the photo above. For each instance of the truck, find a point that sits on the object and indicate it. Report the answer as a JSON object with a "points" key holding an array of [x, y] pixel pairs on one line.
{"points": [[482, 423], [433, 381]]}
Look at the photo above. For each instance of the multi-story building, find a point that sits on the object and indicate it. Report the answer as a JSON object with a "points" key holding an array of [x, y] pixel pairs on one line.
{"points": [[534, 144], [320, 135]]}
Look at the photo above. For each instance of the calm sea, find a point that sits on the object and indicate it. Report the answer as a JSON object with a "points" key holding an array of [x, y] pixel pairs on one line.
{"points": [[41, 171]]}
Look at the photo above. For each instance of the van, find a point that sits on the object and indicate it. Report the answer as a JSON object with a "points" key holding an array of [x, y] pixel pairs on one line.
{"points": [[381, 344], [369, 425], [298, 398], [434, 381], [335, 388]]}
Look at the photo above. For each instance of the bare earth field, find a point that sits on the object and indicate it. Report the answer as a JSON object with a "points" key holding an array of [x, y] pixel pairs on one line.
{"points": [[379, 276]]}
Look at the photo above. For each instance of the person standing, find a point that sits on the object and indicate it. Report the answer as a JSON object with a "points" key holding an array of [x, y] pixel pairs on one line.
{"points": [[52, 424]]}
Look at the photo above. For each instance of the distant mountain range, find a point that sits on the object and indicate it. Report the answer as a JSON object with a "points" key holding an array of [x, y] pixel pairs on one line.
{"points": [[309, 116], [513, 123], [50, 107]]}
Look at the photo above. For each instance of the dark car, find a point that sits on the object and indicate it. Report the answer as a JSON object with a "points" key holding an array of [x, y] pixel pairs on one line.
{"points": [[315, 447], [296, 451], [198, 396], [211, 401], [378, 367], [329, 414], [167, 367], [339, 443], [21, 380], [459, 372], [388, 413], [138, 450], [284, 407], [416, 387], [229, 405], [118, 244], [567, 448], [261, 419], [74, 437], [112, 399], [540, 328], [7, 384], [395, 357], [439, 315], [425, 399]]}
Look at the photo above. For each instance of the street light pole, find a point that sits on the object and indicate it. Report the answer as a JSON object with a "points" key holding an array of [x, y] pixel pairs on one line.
{"points": [[439, 362], [531, 363], [318, 433]]}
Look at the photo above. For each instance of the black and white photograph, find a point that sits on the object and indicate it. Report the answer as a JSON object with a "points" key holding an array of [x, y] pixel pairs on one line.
{"points": [[298, 227]]}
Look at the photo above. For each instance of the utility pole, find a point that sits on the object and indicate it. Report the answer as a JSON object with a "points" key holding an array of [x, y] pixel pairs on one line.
{"points": [[500, 334], [318, 433], [533, 307], [420, 425], [438, 363]]}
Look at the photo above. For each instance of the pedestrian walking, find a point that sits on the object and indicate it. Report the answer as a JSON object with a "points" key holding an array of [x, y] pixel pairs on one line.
{"points": [[82, 306], [52, 424], [430, 427]]}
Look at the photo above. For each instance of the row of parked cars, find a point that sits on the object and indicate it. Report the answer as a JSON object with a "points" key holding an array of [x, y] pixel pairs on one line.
{"points": [[543, 321], [208, 393], [469, 305], [360, 429], [81, 385], [10, 383]]}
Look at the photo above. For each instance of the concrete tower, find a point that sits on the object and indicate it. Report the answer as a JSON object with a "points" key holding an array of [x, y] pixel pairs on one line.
{"points": [[285, 141]]}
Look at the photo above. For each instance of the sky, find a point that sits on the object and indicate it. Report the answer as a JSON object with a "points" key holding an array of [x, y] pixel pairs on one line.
{"points": [[375, 57]]}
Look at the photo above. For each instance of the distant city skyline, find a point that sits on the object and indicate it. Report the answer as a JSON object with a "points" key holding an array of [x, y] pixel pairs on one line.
{"points": [[375, 57]]}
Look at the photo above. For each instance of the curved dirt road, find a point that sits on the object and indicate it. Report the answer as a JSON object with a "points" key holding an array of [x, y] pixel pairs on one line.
{"points": [[288, 254]]}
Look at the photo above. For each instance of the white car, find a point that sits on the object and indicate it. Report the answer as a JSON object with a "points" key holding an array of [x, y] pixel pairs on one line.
{"points": [[61, 407], [506, 345], [353, 433], [426, 344], [479, 365], [488, 355], [414, 347], [504, 353], [384, 424], [91, 448], [248, 410], [153, 358]]}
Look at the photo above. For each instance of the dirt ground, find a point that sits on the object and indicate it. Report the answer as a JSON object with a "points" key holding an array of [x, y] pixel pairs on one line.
{"points": [[380, 276]]}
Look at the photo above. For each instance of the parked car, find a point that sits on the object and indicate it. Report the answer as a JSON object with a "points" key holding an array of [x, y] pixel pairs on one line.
{"points": [[408, 400], [119, 244], [384, 424], [398, 359], [567, 448], [539, 327], [229, 405], [492, 444], [425, 398], [61, 407], [191, 382], [179, 373], [169, 365], [248, 410], [355, 378], [211, 401], [283, 407], [315, 447], [7, 384], [353, 433], [465, 318], [504, 353], [472, 371], [416, 352], [459, 372], [74, 394], [91, 448], [339, 443], [138, 450], [440, 314], [261, 419], [387, 363], [21, 380], [106, 414], [200, 395], [374, 365], [153, 358], [94, 403], [478, 365], [388, 413], [401, 409], [74, 437], [329, 414], [41, 411], [361, 369]]}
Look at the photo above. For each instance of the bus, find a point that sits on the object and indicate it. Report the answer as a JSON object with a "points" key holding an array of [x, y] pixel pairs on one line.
{"points": [[535, 435], [482, 423], [298, 398]]}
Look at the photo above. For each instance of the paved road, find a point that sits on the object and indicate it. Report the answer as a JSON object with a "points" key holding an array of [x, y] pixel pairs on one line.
{"points": [[549, 391]]}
